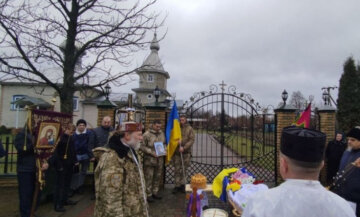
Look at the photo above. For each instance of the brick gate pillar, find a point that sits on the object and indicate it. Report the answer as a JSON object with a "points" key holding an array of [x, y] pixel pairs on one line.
{"points": [[106, 108], [285, 116], [327, 125], [156, 112]]}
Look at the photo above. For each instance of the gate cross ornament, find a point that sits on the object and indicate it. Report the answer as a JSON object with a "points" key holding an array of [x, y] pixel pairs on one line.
{"points": [[222, 86]]}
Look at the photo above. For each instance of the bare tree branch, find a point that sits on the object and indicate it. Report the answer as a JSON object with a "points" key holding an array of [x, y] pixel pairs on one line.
{"points": [[75, 42]]}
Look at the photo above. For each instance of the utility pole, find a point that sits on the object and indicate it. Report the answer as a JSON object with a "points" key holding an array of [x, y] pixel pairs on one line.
{"points": [[327, 90]]}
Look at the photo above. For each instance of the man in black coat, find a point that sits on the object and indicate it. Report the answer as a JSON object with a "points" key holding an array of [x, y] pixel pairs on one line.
{"points": [[26, 170], [102, 132], [64, 160], [349, 189], [334, 151]]}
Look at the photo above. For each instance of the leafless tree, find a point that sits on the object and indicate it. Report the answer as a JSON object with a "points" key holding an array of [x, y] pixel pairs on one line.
{"points": [[69, 44], [298, 100]]}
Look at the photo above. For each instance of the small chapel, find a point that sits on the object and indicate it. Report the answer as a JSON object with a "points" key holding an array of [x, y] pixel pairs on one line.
{"points": [[151, 75]]}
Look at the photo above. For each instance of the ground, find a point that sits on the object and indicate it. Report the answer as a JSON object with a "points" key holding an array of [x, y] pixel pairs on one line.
{"points": [[170, 206]]}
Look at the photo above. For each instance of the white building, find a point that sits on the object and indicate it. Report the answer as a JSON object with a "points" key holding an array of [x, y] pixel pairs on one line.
{"points": [[12, 116]]}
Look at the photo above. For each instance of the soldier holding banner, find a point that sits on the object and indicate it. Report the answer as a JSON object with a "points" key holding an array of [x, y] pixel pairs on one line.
{"points": [[182, 155]]}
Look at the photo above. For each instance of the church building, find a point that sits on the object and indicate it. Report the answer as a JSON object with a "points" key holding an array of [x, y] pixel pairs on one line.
{"points": [[151, 75]]}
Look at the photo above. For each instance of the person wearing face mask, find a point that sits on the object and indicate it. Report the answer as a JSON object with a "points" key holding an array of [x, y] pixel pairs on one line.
{"points": [[119, 178]]}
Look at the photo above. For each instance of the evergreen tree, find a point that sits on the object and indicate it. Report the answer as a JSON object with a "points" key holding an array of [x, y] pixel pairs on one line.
{"points": [[348, 102]]}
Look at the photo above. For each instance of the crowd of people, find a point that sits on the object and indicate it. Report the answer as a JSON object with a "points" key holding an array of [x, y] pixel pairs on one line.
{"points": [[116, 164], [124, 183]]}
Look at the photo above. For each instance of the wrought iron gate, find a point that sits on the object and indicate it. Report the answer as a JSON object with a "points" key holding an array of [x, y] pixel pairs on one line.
{"points": [[231, 131]]}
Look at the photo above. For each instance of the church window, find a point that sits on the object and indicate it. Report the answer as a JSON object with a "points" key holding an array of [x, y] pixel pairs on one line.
{"points": [[149, 96], [150, 78]]}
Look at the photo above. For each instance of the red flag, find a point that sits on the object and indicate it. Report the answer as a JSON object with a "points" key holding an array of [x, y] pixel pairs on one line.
{"points": [[303, 120]]}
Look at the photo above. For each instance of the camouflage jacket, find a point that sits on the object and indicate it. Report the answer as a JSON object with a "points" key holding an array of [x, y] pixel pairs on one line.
{"points": [[147, 146], [188, 138], [118, 186]]}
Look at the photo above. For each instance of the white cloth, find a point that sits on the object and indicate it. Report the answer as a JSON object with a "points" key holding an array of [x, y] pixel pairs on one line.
{"points": [[241, 196], [297, 198]]}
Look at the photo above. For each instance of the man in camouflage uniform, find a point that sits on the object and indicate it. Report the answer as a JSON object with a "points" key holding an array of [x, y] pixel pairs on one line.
{"points": [[188, 138], [119, 179], [153, 164]]}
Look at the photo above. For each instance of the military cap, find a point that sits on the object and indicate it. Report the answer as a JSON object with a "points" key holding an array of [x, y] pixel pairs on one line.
{"points": [[303, 144]]}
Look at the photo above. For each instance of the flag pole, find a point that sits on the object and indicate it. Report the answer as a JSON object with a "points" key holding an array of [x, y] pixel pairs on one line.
{"points": [[183, 168]]}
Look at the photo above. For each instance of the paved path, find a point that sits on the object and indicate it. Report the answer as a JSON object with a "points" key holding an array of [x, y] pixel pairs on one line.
{"points": [[207, 149], [170, 206]]}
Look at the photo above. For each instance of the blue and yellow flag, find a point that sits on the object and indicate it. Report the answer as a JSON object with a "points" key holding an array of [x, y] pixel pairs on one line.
{"points": [[173, 133]]}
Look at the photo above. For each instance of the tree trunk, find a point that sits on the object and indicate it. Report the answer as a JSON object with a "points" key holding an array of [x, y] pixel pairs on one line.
{"points": [[66, 100]]}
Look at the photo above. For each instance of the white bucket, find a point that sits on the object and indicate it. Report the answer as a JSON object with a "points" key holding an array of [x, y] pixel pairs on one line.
{"points": [[214, 213]]}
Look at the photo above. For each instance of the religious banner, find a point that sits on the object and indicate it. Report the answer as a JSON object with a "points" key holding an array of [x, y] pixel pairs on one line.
{"points": [[39, 116], [46, 127], [47, 135]]}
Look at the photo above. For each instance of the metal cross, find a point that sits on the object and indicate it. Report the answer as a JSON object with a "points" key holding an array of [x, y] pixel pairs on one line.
{"points": [[222, 86]]}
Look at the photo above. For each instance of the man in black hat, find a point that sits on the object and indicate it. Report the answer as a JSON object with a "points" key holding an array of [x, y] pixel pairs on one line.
{"points": [[301, 195], [350, 187]]}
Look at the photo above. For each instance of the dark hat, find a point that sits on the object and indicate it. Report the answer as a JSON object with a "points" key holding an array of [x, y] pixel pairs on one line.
{"points": [[81, 121], [303, 144], [354, 133]]}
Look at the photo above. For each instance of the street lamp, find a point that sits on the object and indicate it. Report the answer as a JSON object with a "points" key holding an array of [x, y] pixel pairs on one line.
{"points": [[107, 91], [157, 93], [284, 96], [325, 97]]}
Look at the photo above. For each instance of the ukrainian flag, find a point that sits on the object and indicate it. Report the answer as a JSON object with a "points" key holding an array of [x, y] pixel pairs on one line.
{"points": [[173, 133]]}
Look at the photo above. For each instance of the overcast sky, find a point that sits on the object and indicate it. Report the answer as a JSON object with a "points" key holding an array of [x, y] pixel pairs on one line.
{"points": [[260, 46]]}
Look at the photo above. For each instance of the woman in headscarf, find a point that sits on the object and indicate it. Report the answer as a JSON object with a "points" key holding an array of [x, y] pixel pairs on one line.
{"points": [[334, 151]]}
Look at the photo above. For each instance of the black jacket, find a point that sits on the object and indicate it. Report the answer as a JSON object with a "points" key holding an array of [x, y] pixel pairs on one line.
{"points": [[350, 188], [102, 136], [66, 144], [334, 151], [26, 158]]}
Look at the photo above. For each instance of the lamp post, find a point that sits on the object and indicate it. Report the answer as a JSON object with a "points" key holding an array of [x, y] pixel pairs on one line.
{"points": [[325, 97], [107, 91], [157, 93], [284, 96]]}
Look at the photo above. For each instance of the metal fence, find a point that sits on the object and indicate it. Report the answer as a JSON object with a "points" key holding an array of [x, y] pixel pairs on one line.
{"points": [[8, 163], [231, 131]]}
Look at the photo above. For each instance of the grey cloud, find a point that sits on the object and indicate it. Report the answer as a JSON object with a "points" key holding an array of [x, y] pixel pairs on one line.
{"points": [[262, 47]]}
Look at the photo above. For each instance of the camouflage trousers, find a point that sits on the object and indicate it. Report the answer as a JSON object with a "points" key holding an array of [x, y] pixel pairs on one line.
{"points": [[179, 177], [153, 176]]}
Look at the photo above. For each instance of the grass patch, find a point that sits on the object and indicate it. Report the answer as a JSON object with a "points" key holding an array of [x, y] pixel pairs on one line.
{"points": [[261, 155]]}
